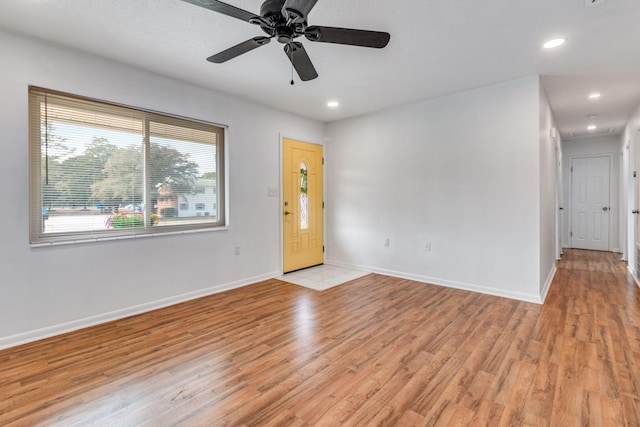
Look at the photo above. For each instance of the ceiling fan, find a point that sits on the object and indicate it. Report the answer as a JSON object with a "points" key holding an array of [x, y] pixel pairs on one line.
{"points": [[286, 20]]}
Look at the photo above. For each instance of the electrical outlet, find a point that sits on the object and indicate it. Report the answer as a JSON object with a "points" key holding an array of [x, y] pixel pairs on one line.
{"points": [[386, 242], [427, 247], [236, 250]]}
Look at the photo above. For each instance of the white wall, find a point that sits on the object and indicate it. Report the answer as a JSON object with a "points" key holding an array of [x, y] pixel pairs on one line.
{"points": [[46, 290], [608, 145], [548, 193], [461, 172]]}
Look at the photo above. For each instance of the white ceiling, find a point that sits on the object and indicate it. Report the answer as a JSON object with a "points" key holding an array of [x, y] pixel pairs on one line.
{"points": [[438, 47]]}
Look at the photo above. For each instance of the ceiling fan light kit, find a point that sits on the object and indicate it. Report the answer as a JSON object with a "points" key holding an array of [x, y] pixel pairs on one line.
{"points": [[286, 20]]}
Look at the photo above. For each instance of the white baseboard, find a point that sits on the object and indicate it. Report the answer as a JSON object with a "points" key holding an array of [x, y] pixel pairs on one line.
{"points": [[446, 283], [633, 274], [547, 283], [50, 331]]}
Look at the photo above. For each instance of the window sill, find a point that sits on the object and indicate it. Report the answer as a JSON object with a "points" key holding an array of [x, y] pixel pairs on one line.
{"points": [[128, 237]]}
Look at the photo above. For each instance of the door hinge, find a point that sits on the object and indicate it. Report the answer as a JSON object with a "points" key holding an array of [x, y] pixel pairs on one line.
{"points": [[571, 234], [322, 205], [323, 161], [571, 168], [322, 248], [635, 174]]}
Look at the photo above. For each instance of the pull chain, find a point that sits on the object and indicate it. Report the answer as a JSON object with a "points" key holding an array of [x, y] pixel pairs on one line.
{"points": [[291, 59]]}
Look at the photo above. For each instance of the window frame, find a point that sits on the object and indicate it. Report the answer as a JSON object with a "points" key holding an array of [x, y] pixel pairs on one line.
{"points": [[37, 235]]}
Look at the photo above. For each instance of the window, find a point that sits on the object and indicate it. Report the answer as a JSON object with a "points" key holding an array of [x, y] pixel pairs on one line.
{"points": [[100, 170], [199, 206]]}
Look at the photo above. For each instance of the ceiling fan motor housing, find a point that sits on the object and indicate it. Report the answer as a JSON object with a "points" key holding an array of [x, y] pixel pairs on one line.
{"points": [[285, 34], [276, 25]]}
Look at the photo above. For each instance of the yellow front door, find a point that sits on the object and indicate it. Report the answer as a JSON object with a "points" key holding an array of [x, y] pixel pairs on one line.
{"points": [[302, 205]]}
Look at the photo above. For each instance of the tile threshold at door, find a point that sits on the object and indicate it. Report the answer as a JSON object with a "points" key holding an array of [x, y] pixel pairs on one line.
{"points": [[322, 277]]}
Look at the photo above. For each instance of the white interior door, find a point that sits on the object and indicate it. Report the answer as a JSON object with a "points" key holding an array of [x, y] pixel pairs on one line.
{"points": [[590, 206]]}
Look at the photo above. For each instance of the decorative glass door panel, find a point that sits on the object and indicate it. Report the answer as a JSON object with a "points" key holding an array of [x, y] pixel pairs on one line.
{"points": [[304, 198]]}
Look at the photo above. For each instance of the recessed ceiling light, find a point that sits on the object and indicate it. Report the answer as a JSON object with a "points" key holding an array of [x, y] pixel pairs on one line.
{"points": [[554, 43], [333, 104], [595, 96], [592, 127]]}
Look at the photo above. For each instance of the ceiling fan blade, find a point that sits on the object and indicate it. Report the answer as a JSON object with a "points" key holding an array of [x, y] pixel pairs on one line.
{"points": [[301, 62], [225, 9], [297, 10], [238, 49], [347, 36]]}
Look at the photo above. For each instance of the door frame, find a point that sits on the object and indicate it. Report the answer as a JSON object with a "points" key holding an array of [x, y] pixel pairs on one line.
{"points": [[627, 184], [629, 194], [570, 194], [281, 196], [560, 210]]}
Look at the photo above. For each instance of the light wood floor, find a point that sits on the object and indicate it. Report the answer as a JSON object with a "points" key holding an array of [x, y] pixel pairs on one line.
{"points": [[377, 351]]}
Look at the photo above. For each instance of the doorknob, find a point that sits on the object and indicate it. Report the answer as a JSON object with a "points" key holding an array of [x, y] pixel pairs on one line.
{"points": [[288, 213], [635, 211], [605, 208]]}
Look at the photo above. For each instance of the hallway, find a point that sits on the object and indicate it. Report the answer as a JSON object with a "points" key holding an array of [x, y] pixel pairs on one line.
{"points": [[592, 313]]}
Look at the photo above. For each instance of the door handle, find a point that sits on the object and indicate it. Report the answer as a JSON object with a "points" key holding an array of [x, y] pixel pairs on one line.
{"points": [[605, 208], [288, 213], [635, 211]]}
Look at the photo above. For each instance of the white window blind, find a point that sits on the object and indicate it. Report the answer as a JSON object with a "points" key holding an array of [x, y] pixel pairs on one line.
{"points": [[100, 170]]}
